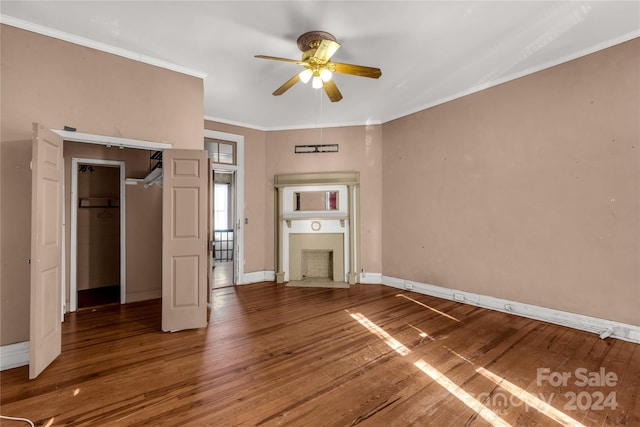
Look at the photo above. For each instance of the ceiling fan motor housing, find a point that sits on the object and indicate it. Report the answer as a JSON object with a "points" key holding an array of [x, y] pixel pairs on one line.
{"points": [[312, 39]]}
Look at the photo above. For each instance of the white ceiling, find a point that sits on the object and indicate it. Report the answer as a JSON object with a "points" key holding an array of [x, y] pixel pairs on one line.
{"points": [[429, 52]]}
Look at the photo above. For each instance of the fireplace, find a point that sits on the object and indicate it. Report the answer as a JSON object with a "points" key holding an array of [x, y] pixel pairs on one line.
{"points": [[316, 255], [317, 264], [317, 233]]}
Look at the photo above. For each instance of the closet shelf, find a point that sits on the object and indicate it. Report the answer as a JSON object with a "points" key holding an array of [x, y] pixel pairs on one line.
{"points": [[98, 202]]}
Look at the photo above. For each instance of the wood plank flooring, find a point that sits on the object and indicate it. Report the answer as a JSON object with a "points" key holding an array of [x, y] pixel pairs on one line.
{"points": [[98, 296], [222, 274], [370, 355]]}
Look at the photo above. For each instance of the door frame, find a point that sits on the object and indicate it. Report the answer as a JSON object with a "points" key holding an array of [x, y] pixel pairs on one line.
{"points": [[238, 169], [73, 239]]}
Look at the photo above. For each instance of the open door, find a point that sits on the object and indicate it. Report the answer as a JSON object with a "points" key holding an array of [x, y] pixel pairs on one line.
{"points": [[184, 239], [210, 231], [45, 339]]}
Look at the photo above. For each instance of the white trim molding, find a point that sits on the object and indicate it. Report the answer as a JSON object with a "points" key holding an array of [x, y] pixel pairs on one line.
{"points": [[73, 239], [111, 141], [257, 277], [144, 295], [603, 327], [14, 355], [370, 278], [83, 41], [238, 171]]}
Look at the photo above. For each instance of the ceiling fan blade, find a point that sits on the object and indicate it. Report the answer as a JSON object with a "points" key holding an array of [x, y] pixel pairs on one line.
{"points": [[356, 70], [275, 58], [332, 91], [326, 50], [287, 85]]}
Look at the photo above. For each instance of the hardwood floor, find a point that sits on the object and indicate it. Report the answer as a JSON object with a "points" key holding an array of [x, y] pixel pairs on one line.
{"points": [[222, 274], [98, 296], [370, 355]]}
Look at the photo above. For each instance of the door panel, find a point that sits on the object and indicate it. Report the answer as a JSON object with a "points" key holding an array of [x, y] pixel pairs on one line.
{"points": [[210, 233], [184, 241], [45, 339]]}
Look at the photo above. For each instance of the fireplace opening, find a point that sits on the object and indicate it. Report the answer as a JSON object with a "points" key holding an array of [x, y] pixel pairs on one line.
{"points": [[317, 264]]}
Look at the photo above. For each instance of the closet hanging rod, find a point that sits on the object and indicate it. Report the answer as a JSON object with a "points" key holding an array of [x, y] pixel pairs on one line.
{"points": [[98, 202]]}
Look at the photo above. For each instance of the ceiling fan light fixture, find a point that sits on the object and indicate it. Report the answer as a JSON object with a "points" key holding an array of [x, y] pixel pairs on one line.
{"points": [[325, 75], [305, 75], [317, 49]]}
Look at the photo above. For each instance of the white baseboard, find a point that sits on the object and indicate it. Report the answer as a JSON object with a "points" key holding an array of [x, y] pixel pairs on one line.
{"points": [[270, 276], [144, 296], [14, 355], [603, 327], [257, 276], [371, 278]]}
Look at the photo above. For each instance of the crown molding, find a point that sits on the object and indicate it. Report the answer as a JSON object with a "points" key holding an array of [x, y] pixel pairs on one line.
{"points": [[514, 76], [103, 47]]}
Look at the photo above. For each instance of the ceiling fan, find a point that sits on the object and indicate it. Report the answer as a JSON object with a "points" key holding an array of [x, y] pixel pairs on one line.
{"points": [[318, 47]]}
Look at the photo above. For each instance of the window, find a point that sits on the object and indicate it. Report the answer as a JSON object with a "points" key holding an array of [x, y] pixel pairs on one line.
{"points": [[221, 206], [221, 152]]}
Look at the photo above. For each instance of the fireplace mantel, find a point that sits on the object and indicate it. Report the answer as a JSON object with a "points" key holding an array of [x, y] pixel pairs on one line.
{"points": [[342, 218]]}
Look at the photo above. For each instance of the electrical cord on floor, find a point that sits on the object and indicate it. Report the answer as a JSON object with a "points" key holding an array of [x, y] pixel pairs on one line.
{"points": [[4, 417]]}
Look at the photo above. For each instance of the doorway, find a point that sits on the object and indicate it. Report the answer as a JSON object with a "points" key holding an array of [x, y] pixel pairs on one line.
{"points": [[226, 153], [224, 232], [97, 253], [98, 259]]}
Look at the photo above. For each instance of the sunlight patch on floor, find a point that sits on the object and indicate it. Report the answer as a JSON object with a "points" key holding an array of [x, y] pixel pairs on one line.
{"points": [[460, 394], [380, 333], [529, 399], [432, 372], [421, 333], [435, 310]]}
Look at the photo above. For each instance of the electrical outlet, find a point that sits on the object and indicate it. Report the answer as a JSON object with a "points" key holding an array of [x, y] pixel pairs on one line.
{"points": [[408, 285], [458, 297]]}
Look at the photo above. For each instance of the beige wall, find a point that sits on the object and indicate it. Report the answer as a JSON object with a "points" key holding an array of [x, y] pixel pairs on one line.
{"points": [[58, 83], [143, 219], [360, 149], [526, 191], [15, 220], [268, 153], [144, 242], [255, 239], [98, 250]]}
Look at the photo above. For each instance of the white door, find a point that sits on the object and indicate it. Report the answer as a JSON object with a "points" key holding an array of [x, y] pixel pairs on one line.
{"points": [[184, 239], [45, 339], [210, 232]]}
